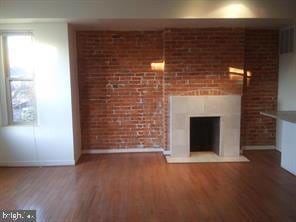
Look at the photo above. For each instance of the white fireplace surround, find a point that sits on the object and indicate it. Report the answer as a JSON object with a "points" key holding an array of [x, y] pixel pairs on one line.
{"points": [[228, 108]]}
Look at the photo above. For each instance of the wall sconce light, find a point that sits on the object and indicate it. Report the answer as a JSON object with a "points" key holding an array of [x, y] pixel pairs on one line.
{"points": [[238, 74], [157, 66]]}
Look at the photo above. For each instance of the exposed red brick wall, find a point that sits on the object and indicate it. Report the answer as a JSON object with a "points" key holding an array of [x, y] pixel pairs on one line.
{"points": [[121, 97], [198, 61], [124, 104], [261, 58]]}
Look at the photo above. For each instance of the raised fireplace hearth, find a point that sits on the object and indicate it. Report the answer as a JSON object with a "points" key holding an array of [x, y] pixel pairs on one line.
{"points": [[217, 120]]}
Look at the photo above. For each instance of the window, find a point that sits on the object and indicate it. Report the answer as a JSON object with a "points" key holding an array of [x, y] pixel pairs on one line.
{"points": [[18, 78]]}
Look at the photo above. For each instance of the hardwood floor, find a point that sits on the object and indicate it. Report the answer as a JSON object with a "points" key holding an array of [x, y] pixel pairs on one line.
{"points": [[142, 187]]}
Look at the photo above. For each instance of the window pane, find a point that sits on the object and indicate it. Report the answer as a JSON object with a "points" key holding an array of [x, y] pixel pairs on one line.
{"points": [[22, 99], [20, 56]]}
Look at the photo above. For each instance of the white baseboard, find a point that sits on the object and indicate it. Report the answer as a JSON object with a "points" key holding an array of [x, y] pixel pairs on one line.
{"points": [[278, 149], [289, 169], [166, 152], [129, 150], [36, 163], [261, 147]]}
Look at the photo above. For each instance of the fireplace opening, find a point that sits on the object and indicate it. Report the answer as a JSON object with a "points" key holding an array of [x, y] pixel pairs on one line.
{"points": [[204, 134]]}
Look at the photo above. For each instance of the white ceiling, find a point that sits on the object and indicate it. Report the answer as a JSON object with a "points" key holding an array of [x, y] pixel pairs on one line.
{"points": [[143, 9], [159, 24]]}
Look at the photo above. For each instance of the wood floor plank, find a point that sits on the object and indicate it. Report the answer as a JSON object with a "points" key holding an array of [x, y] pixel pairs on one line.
{"points": [[143, 187]]}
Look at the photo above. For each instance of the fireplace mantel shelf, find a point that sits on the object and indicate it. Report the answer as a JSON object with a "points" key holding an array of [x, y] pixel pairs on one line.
{"points": [[289, 116]]}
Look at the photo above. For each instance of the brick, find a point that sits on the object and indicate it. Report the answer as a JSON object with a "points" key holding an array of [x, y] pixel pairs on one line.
{"points": [[124, 104]]}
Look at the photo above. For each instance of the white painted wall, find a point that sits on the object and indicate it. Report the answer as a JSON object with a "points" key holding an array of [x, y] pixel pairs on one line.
{"points": [[286, 88], [288, 158], [98, 9], [286, 131], [50, 142]]}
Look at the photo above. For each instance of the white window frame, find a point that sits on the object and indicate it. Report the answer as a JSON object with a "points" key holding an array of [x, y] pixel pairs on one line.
{"points": [[6, 117]]}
